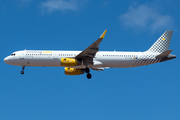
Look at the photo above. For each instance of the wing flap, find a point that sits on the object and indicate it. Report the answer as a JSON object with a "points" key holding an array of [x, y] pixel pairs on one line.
{"points": [[98, 69]]}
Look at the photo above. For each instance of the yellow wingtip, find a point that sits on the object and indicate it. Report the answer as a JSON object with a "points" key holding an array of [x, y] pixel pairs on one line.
{"points": [[102, 36]]}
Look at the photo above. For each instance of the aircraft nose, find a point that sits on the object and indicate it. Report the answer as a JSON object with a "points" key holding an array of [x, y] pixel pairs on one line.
{"points": [[6, 60]]}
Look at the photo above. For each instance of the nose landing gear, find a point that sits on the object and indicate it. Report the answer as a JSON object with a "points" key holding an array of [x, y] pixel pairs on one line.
{"points": [[88, 74], [22, 72]]}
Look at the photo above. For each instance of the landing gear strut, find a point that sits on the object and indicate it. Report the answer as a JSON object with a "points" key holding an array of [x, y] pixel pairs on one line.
{"points": [[87, 70], [22, 72], [88, 74]]}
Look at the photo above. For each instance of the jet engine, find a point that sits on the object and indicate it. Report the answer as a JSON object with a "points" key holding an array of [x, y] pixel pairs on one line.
{"points": [[69, 62], [73, 71]]}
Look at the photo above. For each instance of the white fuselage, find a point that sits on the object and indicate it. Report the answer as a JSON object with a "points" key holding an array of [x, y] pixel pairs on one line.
{"points": [[102, 59], [80, 62]]}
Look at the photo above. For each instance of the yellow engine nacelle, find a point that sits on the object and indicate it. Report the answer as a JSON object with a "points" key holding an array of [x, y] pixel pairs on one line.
{"points": [[73, 71], [68, 62]]}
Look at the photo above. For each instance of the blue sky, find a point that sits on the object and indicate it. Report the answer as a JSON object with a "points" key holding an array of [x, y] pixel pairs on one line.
{"points": [[141, 93]]}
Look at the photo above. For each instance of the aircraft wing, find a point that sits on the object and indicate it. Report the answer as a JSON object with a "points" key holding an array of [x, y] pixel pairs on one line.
{"points": [[89, 53]]}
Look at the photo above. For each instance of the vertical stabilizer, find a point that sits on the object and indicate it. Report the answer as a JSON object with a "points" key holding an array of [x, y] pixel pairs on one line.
{"points": [[162, 44]]}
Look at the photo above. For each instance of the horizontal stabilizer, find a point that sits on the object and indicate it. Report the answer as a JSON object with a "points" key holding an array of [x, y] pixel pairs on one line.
{"points": [[164, 54]]}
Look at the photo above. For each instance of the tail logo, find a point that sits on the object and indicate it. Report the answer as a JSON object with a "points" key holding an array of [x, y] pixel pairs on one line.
{"points": [[162, 44]]}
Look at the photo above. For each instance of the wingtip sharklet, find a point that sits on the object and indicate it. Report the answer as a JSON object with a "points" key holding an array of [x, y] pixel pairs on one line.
{"points": [[102, 36]]}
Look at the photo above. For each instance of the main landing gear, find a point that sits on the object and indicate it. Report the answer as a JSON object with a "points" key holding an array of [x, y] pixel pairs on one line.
{"points": [[88, 74], [22, 72]]}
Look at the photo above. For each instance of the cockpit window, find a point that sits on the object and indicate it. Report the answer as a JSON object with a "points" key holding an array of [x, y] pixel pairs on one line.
{"points": [[13, 54]]}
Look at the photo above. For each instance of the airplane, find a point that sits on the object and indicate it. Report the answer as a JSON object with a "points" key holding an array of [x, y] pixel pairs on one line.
{"points": [[80, 62]]}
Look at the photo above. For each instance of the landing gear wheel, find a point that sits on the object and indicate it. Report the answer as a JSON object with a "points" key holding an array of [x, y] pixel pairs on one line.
{"points": [[87, 70], [22, 72], [89, 76]]}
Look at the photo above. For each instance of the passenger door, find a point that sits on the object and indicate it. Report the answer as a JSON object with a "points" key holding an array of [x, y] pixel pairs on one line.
{"points": [[22, 55], [56, 56]]}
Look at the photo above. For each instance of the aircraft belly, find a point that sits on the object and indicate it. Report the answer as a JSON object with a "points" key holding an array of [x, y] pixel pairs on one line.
{"points": [[119, 63]]}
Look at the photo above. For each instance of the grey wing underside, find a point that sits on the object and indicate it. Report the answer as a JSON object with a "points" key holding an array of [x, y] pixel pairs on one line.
{"points": [[87, 55]]}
